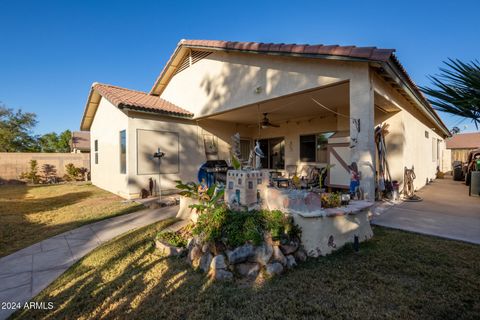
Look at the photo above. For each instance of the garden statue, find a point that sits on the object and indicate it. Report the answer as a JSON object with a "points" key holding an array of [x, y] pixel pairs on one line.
{"points": [[354, 180]]}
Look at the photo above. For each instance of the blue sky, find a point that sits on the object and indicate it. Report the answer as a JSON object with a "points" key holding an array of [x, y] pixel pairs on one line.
{"points": [[51, 51]]}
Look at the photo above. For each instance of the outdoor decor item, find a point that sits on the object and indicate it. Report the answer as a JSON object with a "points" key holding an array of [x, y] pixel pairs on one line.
{"points": [[408, 188], [354, 180], [242, 187]]}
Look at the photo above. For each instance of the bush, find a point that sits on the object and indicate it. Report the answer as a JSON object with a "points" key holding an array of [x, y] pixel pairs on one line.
{"points": [[32, 175], [173, 238], [236, 228]]}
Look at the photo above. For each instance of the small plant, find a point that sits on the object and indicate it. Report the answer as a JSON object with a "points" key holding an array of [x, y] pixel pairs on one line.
{"points": [[208, 196], [172, 238], [331, 200], [49, 173], [323, 171], [210, 224], [32, 175]]}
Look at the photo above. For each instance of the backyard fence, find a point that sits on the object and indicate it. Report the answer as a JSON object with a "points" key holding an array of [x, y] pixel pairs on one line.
{"points": [[12, 164]]}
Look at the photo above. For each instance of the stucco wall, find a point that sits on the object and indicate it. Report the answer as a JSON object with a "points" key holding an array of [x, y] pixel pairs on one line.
{"points": [[106, 127], [224, 81], [407, 145]]}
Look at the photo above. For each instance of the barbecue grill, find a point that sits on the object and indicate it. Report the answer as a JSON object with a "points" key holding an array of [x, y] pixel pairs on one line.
{"points": [[213, 171]]}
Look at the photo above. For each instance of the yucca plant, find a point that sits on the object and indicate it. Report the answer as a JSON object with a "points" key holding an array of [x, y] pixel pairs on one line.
{"points": [[456, 90]]}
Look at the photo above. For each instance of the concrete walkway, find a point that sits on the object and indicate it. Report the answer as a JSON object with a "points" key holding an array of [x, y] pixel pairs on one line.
{"points": [[446, 211], [25, 273]]}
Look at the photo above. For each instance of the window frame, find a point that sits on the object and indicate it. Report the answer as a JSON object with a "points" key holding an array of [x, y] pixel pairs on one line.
{"points": [[95, 151], [316, 143], [123, 151]]}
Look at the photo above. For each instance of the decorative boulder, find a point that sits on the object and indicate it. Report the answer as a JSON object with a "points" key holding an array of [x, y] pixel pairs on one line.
{"points": [[221, 275], [274, 269], [205, 261], [262, 255], [300, 255], [278, 256], [167, 249], [291, 263], [194, 256], [240, 254], [289, 247], [247, 269], [218, 262]]}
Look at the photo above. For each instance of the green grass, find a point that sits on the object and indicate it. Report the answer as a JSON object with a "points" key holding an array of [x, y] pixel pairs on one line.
{"points": [[396, 275], [29, 214]]}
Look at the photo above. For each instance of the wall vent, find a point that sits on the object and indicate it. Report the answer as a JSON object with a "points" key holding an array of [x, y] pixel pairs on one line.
{"points": [[191, 58]]}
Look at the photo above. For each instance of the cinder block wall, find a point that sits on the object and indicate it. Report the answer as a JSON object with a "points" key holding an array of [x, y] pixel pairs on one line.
{"points": [[14, 163]]}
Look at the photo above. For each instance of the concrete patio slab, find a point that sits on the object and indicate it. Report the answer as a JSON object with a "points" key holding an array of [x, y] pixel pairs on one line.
{"points": [[446, 211], [25, 273]]}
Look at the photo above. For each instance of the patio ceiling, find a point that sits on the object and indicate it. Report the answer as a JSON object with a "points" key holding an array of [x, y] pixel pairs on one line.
{"points": [[290, 107], [299, 106]]}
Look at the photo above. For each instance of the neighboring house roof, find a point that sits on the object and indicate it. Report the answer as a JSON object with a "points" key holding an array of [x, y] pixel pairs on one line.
{"points": [[124, 98], [464, 141], [386, 63], [80, 140]]}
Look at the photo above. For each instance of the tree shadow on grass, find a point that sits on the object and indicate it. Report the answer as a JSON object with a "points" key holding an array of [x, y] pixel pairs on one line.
{"points": [[126, 279]]}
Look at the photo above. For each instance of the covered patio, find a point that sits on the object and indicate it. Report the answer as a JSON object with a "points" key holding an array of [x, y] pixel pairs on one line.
{"points": [[308, 130]]}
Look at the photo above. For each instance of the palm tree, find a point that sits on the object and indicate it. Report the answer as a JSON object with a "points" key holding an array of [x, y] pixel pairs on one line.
{"points": [[457, 90]]}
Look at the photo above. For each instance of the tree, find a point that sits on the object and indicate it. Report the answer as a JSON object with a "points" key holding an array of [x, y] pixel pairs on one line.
{"points": [[15, 130], [52, 142], [457, 89]]}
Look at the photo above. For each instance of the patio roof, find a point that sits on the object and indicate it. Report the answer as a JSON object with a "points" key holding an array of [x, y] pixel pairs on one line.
{"points": [[383, 60]]}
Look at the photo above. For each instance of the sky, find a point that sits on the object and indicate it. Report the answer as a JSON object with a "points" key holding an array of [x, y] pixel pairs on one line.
{"points": [[52, 51]]}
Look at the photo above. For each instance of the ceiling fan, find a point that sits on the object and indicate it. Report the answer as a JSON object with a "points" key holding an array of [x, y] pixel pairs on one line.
{"points": [[265, 123]]}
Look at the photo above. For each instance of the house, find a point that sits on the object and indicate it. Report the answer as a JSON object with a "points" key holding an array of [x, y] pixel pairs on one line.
{"points": [[80, 142], [305, 104], [460, 145]]}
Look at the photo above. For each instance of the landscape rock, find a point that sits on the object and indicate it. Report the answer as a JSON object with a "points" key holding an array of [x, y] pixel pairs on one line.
{"points": [[206, 247], [221, 275], [218, 262], [167, 249], [291, 263], [300, 255], [279, 256], [241, 254], [218, 248], [248, 269], [205, 261], [194, 256], [262, 255], [274, 269], [289, 248]]}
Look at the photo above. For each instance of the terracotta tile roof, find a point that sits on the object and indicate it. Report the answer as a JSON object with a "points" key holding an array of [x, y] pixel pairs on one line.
{"points": [[464, 141], [369, 53], [138, 100]]}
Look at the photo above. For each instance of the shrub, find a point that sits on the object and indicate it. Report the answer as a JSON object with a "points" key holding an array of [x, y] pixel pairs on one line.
{"points": [[72, 172], [210, 223], [49, 172], [173, 238], [331, 200], [236, 228], [32, 175]]}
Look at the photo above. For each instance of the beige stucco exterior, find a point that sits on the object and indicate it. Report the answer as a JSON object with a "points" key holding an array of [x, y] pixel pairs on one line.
{"points": [[227, 92]]}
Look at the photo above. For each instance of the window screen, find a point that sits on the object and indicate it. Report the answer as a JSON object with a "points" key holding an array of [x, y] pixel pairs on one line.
{"points": [[148, 142], [96, 151]]}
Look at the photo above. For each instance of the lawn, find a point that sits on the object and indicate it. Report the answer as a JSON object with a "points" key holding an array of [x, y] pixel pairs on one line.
{"points": [[396, 275], [29, 214]]}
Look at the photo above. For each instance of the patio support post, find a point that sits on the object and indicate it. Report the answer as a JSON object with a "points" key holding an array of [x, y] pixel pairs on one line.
{"points": [[362, 131]]}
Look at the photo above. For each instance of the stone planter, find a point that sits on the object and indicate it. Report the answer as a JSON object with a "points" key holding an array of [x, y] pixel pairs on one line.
{"points": [[184, 210], [330, 229], [167, 249]]}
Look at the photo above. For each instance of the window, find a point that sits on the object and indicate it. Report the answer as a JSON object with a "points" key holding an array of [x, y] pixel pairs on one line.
{"points": [[426, 134], [274, 150], [95, 148], [434, 150], [313, 147], [123, 152], [244, 149]]}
